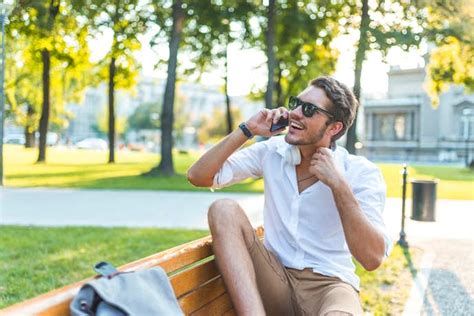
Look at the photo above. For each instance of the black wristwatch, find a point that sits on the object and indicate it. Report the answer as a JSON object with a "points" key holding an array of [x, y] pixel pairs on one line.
{"points": [[245, 130]]}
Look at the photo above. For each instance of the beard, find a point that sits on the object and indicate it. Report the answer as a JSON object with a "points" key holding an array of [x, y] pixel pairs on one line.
{"points": [[308, 140]]}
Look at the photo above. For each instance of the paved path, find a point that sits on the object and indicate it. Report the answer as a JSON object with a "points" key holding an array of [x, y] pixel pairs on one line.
{"points": [[62, 207], [68, 207], [449, 240]]}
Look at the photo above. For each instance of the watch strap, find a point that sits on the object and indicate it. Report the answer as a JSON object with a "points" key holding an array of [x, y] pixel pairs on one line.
{"points": [[245, 130]]}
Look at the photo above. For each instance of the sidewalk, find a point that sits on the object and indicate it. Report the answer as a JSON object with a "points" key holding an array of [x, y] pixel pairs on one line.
{"points": [[449, 286], [69, 207]]}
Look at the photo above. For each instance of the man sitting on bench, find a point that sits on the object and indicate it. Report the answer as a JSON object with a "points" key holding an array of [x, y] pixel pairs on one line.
{"points": [[322, 207]]}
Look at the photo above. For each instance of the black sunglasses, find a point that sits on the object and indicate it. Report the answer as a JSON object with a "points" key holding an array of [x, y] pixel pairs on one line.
{"points": [[308, 108]]}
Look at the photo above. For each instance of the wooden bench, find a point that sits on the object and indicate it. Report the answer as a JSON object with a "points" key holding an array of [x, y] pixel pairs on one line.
{"points": [[191, 268]]}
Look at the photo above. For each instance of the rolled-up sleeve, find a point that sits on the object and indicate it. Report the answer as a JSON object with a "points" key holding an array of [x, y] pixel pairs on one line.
{"points": [[243, 164], [370, 191]]}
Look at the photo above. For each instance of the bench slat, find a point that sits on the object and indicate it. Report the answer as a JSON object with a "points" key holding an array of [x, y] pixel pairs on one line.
{"points": [[175, 258], [202, 295], [216, 307], [189, 280]]}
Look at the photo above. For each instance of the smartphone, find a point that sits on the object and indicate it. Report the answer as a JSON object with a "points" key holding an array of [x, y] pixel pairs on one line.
{"points": [[281, 124]]}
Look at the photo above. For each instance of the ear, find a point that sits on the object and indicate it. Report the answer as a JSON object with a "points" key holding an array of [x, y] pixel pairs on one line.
{"points": [[335, 128]]}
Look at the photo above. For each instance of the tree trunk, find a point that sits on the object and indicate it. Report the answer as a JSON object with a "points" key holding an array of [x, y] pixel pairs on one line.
{"points": [[30, 139], [44, 120], [230, 126], [279, 89], [270, 39], [46, 60], [166, 164], [360, 56], [112, 111]]}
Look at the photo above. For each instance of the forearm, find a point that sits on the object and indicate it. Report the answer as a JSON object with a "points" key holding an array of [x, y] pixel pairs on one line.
{"points": [[202, 171], [365, 242]]}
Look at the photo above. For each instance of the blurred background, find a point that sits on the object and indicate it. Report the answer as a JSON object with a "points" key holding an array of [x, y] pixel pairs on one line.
{"points": [[153, 76]]}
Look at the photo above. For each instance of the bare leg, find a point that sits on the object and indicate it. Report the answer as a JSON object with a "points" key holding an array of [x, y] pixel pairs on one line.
{"points": [[232, 234]]}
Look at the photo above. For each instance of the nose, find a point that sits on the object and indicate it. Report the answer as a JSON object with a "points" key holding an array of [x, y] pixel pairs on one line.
{"points": [[296, 113]]}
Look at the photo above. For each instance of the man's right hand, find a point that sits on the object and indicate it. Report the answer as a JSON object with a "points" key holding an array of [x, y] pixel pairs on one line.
{"points": [[260, 123]]}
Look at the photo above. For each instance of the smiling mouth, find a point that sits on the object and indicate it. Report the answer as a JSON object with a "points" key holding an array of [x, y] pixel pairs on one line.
{"points": [[296, 125]]}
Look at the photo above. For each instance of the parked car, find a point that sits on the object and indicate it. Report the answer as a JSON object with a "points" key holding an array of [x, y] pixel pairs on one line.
{"points": [[92, 143], [17, 139]]}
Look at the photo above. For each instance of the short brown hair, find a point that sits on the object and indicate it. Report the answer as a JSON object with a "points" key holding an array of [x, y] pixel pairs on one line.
{"points": [[344, 103]]}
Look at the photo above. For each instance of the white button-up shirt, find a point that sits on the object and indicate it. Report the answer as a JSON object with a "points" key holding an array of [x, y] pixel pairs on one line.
{"points": [[304, 229]]}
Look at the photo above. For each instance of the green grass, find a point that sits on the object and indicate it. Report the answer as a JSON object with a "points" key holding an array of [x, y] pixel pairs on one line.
{"points": [[70, 168], [385, 290], [35, 260]]}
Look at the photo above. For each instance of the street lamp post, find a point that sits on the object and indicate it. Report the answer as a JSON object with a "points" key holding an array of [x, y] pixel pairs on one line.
{"points": [[403, 241], [5, 8]]}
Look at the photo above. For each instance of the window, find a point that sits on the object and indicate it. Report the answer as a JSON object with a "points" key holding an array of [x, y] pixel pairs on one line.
{"points": [[393, 126]]}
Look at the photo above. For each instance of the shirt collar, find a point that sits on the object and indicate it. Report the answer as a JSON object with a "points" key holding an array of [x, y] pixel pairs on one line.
{"points": [[337, 152]]}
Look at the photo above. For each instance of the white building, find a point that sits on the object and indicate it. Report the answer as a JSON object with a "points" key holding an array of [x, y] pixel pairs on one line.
{"points": [[405, 125]]}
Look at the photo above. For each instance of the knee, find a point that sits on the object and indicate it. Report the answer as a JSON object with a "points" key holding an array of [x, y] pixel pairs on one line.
{"points": [[222, 212]]}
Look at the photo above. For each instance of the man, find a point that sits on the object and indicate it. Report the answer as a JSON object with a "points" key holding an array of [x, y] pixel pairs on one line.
{"points": [[322, 207]]}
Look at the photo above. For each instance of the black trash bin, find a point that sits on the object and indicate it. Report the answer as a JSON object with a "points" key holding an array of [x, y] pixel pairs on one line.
{"points": [[424, 200]]}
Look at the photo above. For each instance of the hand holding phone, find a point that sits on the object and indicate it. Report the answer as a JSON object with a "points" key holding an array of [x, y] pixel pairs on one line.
{"points": [[281, 124]]}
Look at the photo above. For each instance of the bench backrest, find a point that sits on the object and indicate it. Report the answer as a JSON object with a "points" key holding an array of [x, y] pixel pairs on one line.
{"points": [[193, 275]]}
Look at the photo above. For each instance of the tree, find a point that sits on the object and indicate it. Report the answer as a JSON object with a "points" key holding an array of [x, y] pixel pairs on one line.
{"points": [[125, 20], [22, 79], [303, 51], [303, 41], [56, 40], [101, 126], [207, 41], [212, 129], [449, 25], [166, 166], [384, 25]]}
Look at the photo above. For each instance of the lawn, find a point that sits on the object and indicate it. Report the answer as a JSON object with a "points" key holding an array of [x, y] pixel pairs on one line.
{"points": [[71, 168], [36, 260]]}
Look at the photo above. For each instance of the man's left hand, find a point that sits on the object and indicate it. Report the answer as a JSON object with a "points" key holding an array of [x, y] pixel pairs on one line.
{"points": [[323, 167]]}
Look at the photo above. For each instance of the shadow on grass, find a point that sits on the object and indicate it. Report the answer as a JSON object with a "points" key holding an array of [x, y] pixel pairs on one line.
{"points": [[86, 172], [409, 262], [177, 182]]}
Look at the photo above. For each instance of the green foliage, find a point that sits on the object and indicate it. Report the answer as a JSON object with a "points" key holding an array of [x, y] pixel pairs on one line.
{"points": [[54, 257], [102, 123], [211, 26], [213, 128], [145, 116], [31, 30], [125, 20], [304, 32], [449, 25]]}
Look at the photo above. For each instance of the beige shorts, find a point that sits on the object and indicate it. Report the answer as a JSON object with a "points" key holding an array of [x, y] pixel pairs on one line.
{"points": [[286, 291]]}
